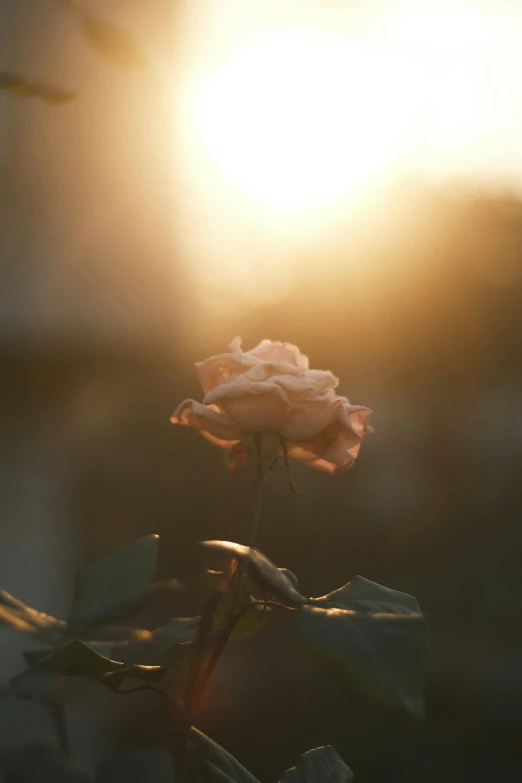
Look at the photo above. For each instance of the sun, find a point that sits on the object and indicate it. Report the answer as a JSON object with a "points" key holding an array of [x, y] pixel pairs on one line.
{"points": [[298, 126], [297, 119]]}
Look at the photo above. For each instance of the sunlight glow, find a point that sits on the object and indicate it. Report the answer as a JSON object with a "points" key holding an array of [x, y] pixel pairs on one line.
{"points": [[296, 121], [295, 118]]}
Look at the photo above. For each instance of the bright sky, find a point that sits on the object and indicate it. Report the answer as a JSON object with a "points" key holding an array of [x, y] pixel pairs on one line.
{"points": [[292, 112]]}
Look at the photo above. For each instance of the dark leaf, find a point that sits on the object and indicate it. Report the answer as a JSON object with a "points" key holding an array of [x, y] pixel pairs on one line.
{"points": [[37, 763], [213, 764], [116, 586], [271, 578], [154, 647], [145, 674], [290, 576], [379, 655], [21, 617], [33, 656], [250, 623], [79, 659], [321, 765], [362, 595], [25, 88], [140, 765], [111, 42]]}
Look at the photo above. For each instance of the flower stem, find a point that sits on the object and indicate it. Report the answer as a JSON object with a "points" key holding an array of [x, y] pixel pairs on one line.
{"points": [[200, 675], [191, 697], [218, 649], [259, 492]]}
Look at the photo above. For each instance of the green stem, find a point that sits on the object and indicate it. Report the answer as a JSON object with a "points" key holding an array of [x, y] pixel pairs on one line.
{"points": [[225, 635], [190, 698], [199, 676], [259, 493]]}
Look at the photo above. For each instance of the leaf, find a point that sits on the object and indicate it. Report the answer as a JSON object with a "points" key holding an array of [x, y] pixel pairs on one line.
{"points": [[321, 765], [146, 674], [153, 647], [171, 647], [24, 88], [21, 617], [118, 585], [79, 659], [250, 623], [290, 576], [378, 655], [37, 762], [111, 42], [139, 765], [213, 763], [262, 570], [361, 594]]}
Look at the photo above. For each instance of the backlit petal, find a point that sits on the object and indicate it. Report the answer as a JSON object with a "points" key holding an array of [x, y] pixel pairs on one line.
{"points": [[209, 421]]}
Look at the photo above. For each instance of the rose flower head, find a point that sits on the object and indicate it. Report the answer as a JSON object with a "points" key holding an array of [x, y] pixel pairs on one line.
{"points": [[271, 389]]}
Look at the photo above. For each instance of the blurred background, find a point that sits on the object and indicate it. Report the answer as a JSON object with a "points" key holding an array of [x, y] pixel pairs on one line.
{"points": [[342, 175]]}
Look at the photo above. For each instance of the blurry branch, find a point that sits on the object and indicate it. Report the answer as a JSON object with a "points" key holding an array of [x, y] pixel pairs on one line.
{"points": [[111, 42], [114, 44], [17, 615], [27, 88]]}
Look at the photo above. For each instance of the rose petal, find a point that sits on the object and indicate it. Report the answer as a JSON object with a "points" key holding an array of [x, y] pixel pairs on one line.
{"points": [[308, 385], [329, 467], [358, 418], [270, 388], [308, 418], [297, 452], [266, 370], [224, 368], [324, 378], [235, 456], [209, 421], [336, 446], [280, 352], [236, 344], [253, 406]]}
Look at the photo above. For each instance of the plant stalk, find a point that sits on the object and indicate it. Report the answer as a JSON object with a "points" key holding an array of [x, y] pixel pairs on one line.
{"points": [[199, 674], [259, 493]]}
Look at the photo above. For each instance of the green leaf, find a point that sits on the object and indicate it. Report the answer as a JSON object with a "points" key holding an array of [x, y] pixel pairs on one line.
{"points": [[171, 647], [139, 765], [364, 596], [378, 655], [146, 674], [37, 762], [21, 87], [79, 659], [116, 586], [321, 765], [213, 764], [269, 577], [111, 42], [21, 617], [290, 576], [154, 647], [250, 623]]}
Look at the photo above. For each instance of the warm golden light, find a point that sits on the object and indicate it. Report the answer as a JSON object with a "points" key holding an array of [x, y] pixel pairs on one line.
{"points": [[296, 118]]}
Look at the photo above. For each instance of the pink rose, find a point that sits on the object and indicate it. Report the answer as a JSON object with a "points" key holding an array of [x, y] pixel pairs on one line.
{"points": [[272, 389]]}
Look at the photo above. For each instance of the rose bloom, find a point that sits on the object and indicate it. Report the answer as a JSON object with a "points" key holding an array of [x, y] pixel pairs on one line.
{"points": [[271, 389]]}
